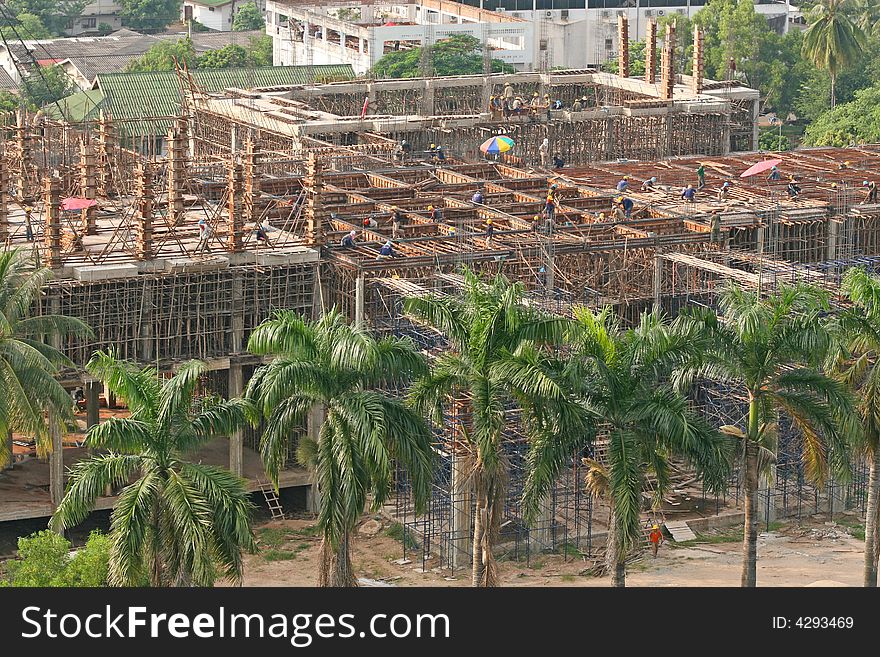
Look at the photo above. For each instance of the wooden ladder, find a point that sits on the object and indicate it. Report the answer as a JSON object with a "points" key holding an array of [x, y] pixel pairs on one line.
{"points": [[271, 498]]}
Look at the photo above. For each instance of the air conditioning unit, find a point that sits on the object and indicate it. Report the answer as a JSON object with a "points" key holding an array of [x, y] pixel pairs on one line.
{"points": [[548, 14], [649, 12], [606, 14], [543, 44], [515, 14], [563, 14], [500, 10], [621, 13], [683, 11], [660, 12]]}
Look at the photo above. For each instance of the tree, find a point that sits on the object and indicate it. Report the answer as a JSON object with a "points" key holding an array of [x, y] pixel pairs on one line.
{"points": [[866, 16], [623, 378], [27, 364], [53, 14], [260, 51], [330, 364], [855, 122], [498, 362], [249, 17], [150, 15], [771, 140], [46, 85], [176, 522], [637, 50], [457, 55], [856, 364], [25, 26], [229, 56], [832, 42], [769, 349], [45, 559], [164, 56], [9, 102]]}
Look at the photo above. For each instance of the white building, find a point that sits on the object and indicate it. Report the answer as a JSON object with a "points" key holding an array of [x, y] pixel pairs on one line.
{"points": [[216, 14], [360, 36], [529, 34], [96, 17]]}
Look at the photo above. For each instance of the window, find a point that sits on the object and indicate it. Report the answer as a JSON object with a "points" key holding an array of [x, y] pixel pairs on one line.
{"points": [[609, 44], [89, 22], [210, 9]]}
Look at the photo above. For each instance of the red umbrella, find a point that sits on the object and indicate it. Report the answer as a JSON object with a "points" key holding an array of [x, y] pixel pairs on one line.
{"points": [[77, 203], [759, 167]]}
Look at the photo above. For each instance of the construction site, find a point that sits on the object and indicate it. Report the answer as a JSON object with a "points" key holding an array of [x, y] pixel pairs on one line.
{"points": [[180, 255]]}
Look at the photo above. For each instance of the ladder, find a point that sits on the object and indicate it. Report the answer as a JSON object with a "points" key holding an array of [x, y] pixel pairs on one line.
{"points": [[271, 498]]}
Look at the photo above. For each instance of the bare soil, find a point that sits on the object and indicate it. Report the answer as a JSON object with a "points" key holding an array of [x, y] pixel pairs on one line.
{"points": [[816, 553]]}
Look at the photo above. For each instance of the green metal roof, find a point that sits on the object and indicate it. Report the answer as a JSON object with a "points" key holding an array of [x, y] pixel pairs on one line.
{"points": [[138, 98]]}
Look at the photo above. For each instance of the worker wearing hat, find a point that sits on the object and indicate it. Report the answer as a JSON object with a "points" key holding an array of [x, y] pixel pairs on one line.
{"points": [[490, 230], [871, 194], [623, 184], [656, 538]]}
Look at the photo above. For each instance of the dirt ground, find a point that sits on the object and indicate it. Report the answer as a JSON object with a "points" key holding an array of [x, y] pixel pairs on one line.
{"points": [[817, 554]]}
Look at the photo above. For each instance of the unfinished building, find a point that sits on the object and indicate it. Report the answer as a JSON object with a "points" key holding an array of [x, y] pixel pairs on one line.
{"points": [[278, 179]]}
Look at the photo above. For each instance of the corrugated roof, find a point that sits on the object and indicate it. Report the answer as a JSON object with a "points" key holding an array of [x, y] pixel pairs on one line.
{"points": [[141, 97]]}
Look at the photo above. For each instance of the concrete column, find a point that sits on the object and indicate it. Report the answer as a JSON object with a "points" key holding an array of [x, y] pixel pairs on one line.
{"points": [[236, 440], [460, 516], [833, 231], [4, 188], [88, 184], [623, 46], [92, 407], [651, 52], [359, 301], [52, 228], [658, 282], [147, 353]]}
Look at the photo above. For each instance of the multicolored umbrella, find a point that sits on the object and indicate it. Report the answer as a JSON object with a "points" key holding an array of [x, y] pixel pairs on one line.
{"points": [[497, 145], [77, 203], [759, 168]]}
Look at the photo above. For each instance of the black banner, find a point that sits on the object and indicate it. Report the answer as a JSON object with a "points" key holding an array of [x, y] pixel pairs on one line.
{"points": [[436, 620]]}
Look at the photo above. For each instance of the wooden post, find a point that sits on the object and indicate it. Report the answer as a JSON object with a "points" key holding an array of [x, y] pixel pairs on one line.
{"points": [[359, 301], [667, 65], [4, 190], [235, 222], [623, 46], [177, 152], [251, 182], [24, 143], [314, 203], [52, 228], [106, 157], [651, 52]]}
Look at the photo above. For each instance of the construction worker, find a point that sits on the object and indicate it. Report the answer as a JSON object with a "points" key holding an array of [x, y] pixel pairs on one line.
{"points": [[405, 150], [774, 173], [724, 192], [544, 151], [793, 189], [701, 176], [550, 205], [348, 241], [28, 227], [689, 193], [396, 222], [490, 230], [436, 214], [205, 232], [627, 205], [656, 538], [508, 92], [369, 222], [648, 185], [478, 197], [871, 192], [558, 162], [386, 251], [577, 106], [439, 155], [623, 184], [842, 166]]}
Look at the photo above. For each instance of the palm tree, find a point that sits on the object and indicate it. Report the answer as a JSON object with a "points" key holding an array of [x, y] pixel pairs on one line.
{"points": [[622, 376], [833, 41], [856, 363], [496, 363], [176, 522], [366, 430], [27, 364], [769, 349], [866, 15]]}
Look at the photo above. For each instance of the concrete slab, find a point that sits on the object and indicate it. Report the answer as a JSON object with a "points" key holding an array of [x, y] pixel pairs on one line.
{"points": [[104, 272]]}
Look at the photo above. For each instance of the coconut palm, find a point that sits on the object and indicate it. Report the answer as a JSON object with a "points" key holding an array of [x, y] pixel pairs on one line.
{"points": [[622, 376], [833, 41], [856, 363], [770, 349], [496, 363], [176, 522], [366, 430], [27, 364], [866, 15]]}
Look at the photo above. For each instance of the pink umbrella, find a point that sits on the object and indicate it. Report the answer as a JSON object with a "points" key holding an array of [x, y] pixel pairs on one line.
{"points": [[77, 203], [759, 167]]}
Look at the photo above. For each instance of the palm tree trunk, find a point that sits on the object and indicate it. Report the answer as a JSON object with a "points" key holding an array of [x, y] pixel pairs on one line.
{"points": [[481, 522], [8, 458], [614, 564], [871, 512], [750, 499], [336, 570], [833, 93]]}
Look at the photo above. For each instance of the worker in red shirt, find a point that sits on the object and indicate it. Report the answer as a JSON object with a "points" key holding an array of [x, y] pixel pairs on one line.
{"points": [[656, 538]]}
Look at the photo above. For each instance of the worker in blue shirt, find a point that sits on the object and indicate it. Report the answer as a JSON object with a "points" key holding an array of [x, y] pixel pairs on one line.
{"points": [[385, 251], [688, 193], [478, 197], [348, 240], [623, 184], [627, 204]]}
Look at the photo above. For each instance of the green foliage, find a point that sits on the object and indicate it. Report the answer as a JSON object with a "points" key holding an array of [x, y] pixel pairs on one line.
{"points": [[248, 17], [260, 51], [637, 51], [771, 140], [229, 56], [285, 555], [176, 522], [46, 85], [855, 122], [457, 55], [9, 102], [832, 42], [150, 15], [24, 26], [399, 533], [104, 29], [51, 15], [45, 559], [163, 55]]}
